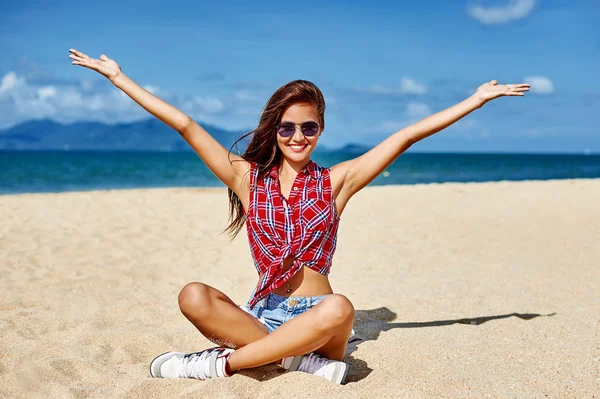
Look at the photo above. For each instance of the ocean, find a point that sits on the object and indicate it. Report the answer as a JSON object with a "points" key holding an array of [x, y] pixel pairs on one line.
{"points": [[60, 171]]}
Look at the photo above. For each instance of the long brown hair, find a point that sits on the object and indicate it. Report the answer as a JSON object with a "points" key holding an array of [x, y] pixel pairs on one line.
{"points": [[262, 149]]}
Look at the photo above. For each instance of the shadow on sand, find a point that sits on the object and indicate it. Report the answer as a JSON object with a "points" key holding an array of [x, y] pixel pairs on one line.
{"points": [[368, 324]]}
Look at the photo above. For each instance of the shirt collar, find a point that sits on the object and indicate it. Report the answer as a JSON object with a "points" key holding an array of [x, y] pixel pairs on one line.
{"points": [[309, 169]]}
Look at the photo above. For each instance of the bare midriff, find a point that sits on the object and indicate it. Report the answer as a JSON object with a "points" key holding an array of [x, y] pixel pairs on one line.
{"points": [[306, 282]]}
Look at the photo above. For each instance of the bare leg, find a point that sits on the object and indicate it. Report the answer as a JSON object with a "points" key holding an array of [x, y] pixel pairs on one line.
{"points": [[218, 318], [323, 329]]}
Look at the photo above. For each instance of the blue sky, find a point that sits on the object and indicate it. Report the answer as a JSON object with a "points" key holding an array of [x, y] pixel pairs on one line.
{"points": [[381, 65]]}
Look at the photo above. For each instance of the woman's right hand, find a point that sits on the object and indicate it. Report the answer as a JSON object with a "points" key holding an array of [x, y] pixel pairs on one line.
{"points": [[104, 65], [217, 158]]}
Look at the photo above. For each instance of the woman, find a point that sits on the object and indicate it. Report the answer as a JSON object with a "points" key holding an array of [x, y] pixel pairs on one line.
{"points": [[291, 208]]}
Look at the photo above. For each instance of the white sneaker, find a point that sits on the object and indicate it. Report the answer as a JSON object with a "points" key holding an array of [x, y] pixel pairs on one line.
{"points": [[209, 363], [331, 370]]}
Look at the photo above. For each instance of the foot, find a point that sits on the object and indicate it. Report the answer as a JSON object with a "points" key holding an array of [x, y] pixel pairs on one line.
{"points": [[331, 370], [209, 363]]}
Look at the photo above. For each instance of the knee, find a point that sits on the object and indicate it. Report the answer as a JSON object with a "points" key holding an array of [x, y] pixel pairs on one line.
{"points": [[194, 299], [337, 310]]}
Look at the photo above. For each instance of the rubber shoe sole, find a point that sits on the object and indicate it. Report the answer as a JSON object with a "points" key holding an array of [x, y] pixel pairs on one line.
{"points": [[158, 361], [338, 376], [340, 373]]}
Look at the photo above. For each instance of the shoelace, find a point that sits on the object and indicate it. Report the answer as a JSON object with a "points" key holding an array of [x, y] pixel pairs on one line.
{"points": [[193, 365], [313, 364]]}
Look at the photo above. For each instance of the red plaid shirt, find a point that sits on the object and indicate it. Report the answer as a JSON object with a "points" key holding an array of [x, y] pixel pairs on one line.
{"points": [[305, 226]]}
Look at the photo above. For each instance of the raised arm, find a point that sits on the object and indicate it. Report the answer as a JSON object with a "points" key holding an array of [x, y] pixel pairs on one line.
{"points": [[355, 174], [216, 157]]}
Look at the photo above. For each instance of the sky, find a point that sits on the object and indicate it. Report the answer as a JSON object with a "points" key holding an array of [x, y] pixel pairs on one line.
{"points": [[381, 65]]}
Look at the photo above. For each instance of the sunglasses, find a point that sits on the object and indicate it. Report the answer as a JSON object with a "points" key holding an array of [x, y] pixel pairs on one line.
{"points": [[287, 129]]}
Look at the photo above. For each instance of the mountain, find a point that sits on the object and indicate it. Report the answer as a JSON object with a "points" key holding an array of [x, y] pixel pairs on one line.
{"points": [[355, 148], [146, 135]]}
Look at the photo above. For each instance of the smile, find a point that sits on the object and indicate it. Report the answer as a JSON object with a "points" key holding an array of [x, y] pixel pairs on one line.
{"points": [[298, 148]]}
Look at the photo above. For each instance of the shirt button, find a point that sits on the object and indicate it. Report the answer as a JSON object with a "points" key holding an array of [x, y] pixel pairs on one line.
{"points": [[295, 188]]}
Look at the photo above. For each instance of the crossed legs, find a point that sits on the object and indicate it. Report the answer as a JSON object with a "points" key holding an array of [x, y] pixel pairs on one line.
{"points": [[324, 329]]}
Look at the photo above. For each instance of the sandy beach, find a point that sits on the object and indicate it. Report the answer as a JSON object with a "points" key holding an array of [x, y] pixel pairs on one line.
{"points": [[460, 290]]}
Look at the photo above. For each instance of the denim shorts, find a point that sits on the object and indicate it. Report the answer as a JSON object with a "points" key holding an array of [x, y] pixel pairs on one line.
{"points": [[275, 309]]}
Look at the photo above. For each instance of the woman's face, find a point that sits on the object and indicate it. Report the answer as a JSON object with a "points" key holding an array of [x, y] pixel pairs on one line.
{"points": [[298, 147]]}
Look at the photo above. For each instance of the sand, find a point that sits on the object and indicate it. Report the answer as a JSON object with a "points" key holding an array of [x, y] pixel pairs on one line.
{"points": [[461, 290]]}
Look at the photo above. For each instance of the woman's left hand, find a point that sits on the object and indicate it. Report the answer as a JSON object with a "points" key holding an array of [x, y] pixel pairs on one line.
{"points": [[490, 90]]}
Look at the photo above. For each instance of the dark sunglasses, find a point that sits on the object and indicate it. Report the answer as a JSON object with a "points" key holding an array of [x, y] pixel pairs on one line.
{"points": [[287, 129]]}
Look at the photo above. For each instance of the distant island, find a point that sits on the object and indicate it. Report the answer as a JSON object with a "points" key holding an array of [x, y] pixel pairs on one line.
{"points": [[147, 135]]}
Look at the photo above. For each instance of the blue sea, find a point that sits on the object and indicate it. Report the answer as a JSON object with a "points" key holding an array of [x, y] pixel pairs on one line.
{"points": [[58, 171]]}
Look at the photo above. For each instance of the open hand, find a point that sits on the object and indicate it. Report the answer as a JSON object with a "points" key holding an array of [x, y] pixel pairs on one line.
{"points": [[104, 65], [490, 90]]}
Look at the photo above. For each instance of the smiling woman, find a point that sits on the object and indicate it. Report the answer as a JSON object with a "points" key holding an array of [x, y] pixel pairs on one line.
{"points": [[307, 131], [291, 207]]}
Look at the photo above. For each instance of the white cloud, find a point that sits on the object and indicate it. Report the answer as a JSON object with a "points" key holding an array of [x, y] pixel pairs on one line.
{"points": [[247, 112], [534, 132], [46, 92], [95, 103], [469, 128], [540, 84], [415, 110], [21, 100], [465, 125], [69, 98], [152, 89], [515, 9], [407, 86], [245, 95], [210, 105], [380, 89], [9, 81], [86, 84], [391, 126], [411, 86]]}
